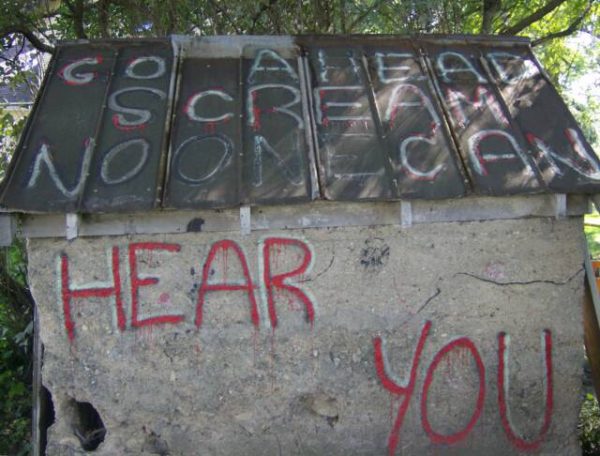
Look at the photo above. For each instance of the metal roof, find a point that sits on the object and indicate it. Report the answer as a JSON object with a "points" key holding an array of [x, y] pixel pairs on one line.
{"points": [[216, 122]]}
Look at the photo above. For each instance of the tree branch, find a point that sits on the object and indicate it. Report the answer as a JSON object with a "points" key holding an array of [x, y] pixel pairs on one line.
{"points": [[490, 9], [14, 62], [31, 37], [343, 16], [566, 32], [225, 16], [364, 15], [36, 42], [77, 10], [103, 17], [533, 17], [263, 8]]}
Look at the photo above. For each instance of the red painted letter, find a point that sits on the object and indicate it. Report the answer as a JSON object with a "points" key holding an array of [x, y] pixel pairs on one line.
{"points": [[436, 437], [137, 282], [503, 346], [394, 388], [226, 245], [69, 293], [278, 280]]}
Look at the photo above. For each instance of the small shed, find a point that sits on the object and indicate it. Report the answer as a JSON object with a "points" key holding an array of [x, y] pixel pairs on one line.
{"points": [[305, 245]]}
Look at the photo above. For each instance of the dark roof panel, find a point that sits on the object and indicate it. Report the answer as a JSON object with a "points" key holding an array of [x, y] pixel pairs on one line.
{"points": [[206, 137], [495, 153], [418, 140], [354, 163], [275, 164], [566, 161], [127, 166], [51, 164], [215, 122]]}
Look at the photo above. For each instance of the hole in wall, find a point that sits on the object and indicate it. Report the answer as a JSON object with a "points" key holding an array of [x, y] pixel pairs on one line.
{"points": [[47, 416], [87, 425]]}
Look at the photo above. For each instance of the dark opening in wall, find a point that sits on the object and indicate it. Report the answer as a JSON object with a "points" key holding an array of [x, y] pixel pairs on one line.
{"points": [[87, 425], [47, 417]]}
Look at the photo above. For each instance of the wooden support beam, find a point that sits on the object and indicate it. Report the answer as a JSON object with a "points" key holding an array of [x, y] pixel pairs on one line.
{"points": [[591, 324]]}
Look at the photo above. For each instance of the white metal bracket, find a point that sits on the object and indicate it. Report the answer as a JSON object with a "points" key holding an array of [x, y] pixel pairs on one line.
{"points": [[245, 220], [560, 205], [72, 222], [406, 215]]}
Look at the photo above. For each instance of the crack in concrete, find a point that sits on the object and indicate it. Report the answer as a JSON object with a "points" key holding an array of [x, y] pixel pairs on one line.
{"points": [[438, 292], [517, 282], [320, 273]]}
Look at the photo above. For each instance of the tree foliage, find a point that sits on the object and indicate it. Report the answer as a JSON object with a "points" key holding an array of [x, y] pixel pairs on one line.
{"points": [[16, 331], [45, 21]]}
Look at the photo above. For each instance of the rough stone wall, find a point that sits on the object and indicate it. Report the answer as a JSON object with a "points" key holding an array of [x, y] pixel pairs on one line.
{"points": [[437, 339]]}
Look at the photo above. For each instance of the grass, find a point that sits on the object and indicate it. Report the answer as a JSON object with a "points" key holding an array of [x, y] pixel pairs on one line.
{"points": [[590, 426], [592, 233]]}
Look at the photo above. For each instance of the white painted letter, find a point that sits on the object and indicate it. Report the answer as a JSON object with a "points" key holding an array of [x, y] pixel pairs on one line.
{"points": [[322, 107], [143, 115], [225, 145], [82, 78], [420, 175], [190, 107], [482, 99], [45, 158], [254, 111], [587, 166], [479, 159], [499, 61], [466, 68], [325, 68], [269, 54], [382, 68], [161, 68], [399, 93], [260, 145], [104, 172]]}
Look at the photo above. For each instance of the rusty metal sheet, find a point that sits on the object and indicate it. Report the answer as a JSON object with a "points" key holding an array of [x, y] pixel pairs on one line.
{"points": [[125, 172], [565, 158], [206, 140], [418, 141], [353, 161], [53, 159], [495, 153], [275, 165]]}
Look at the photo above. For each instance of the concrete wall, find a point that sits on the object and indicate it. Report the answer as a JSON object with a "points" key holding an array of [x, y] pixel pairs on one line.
{"points": [[448, 338]]}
